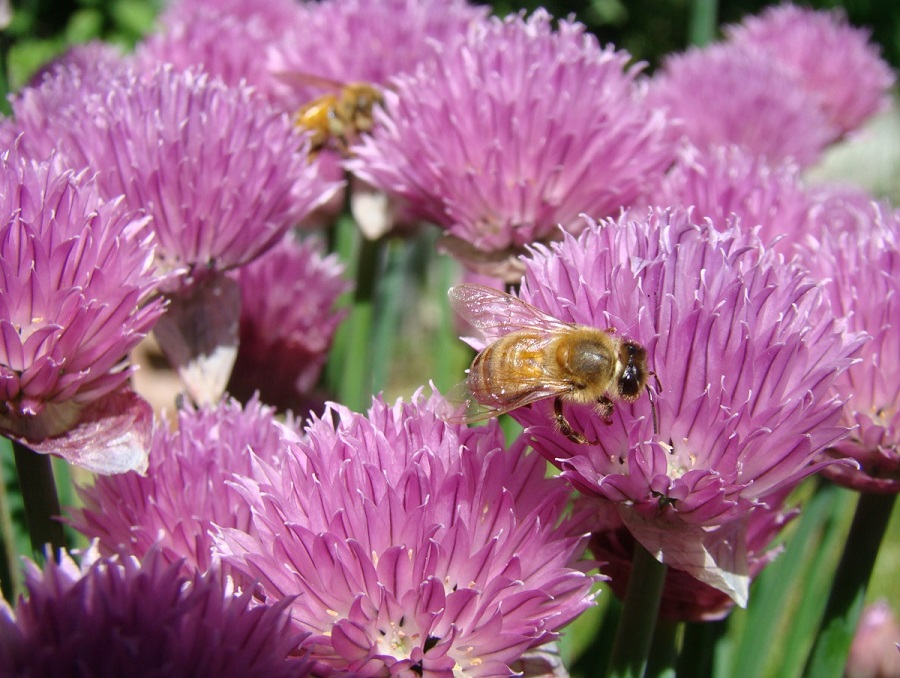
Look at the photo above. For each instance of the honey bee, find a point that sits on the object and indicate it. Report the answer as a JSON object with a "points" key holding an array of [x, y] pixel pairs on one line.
{"points": [[533, 356], [339, 117]]}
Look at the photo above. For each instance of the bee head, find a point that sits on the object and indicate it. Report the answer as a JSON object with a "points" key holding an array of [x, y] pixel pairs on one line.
{"points": [[634, 376]]}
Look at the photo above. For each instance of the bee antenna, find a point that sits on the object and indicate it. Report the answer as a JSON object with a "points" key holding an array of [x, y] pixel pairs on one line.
{"points": [[653, 403]]}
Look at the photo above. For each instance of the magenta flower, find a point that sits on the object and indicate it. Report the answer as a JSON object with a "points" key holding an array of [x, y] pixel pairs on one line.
{"points": [[727, 94], [684, 598], [362, 41], [831, 59], [222, 174], [415, 546], [861, 269], [723, 183], [746, 368], [75, 292], [187, 489], [513, 130], [118, 617], [227, 40], [288, 320]]}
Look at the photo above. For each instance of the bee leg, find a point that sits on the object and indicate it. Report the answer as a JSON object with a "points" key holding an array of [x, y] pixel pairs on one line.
{"points": [[566, 428], [605, 409]]}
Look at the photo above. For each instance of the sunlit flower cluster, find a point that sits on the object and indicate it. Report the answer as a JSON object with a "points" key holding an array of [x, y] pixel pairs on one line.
{"points": [[412, 544], [513, 130]]}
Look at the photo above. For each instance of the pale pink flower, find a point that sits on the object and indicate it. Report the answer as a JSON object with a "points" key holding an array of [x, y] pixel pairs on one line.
{"points": [[288, 320], [745, 365], [75, 298], [187, 489], [412, 545], [515, 129], [861, 273], [831, 59], [727, 94]]}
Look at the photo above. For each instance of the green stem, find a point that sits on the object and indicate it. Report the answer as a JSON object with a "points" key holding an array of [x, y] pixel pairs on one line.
{"points": [[41, 501], [355, 389], [703, 19], [664, 649], [848, 589], [698, 645], [634, 636], [10, 573]]}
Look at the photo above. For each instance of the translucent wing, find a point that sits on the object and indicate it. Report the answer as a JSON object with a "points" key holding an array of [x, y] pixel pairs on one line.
{"points": [[462, 406], [301, 79], [495, 313]]}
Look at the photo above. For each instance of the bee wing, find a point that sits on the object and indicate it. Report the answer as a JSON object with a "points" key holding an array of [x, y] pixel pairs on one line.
{"points": [[462, 406], [495, 313], [302, 79]]}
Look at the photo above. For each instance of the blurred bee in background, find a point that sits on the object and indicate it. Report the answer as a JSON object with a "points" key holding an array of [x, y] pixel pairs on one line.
{"points": [[338, 117], [533, 356]]}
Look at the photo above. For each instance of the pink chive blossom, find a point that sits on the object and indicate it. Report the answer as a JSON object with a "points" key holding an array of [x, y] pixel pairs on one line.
{"points": [[288, 320], [861, 269], [726, 182], [875, 652], [831, 59], [187, 489], [512, 130], [727, 94], [75, 298], [122, 617], [684, 598], [362, 41], [227, 40], [222, 174], [412, 545], [745, 367]]}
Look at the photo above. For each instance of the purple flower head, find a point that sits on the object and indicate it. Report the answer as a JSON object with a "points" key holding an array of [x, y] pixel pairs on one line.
{"points": [[222, 174], [831, 59], [75, 292], [514, 129], [186, 490], [287, 323], [362, 41], [118, 617], [414, 545], [732, 94], [227, 40], [861, 269], [684, 598], [724, 182], [745, 371]]}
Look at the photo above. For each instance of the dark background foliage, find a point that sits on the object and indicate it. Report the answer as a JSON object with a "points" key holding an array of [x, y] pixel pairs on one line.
{"points": [[647, 28]]}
